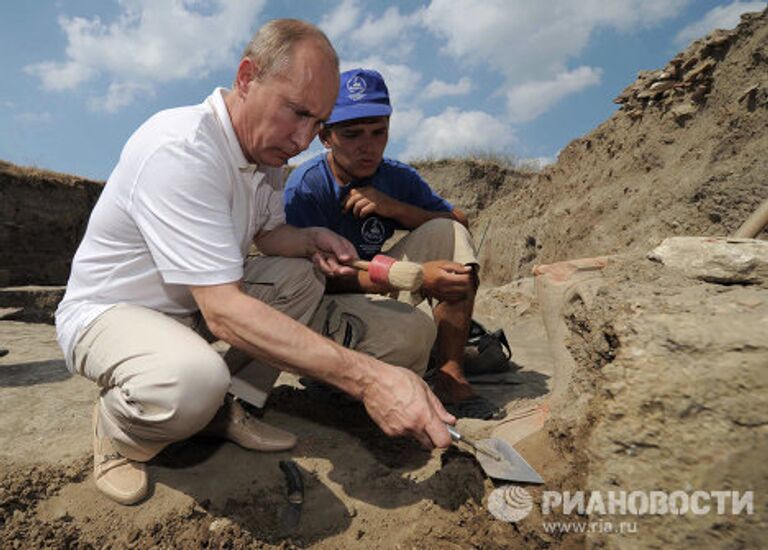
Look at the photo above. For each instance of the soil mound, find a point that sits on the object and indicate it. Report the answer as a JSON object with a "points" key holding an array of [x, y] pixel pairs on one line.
{"points": [[684, 155]]}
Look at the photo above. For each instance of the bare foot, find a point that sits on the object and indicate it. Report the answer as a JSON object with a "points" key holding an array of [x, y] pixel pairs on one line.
{"points": [[450, 386]]}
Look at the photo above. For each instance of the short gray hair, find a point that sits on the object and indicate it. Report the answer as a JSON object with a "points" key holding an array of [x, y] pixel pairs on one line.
{"points": [[271, 47]]}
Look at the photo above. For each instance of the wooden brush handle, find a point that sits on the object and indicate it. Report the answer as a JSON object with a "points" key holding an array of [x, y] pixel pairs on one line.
{"points": [[378, 268], [755, 223]]}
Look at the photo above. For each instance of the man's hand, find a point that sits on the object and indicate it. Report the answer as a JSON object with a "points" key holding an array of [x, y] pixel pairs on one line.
{"points": [[446, 280], [364, 201], [330, 252], [401, 403]]}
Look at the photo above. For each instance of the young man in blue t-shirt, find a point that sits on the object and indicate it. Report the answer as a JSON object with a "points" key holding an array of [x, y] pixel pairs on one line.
{"points": [[355, 191]]}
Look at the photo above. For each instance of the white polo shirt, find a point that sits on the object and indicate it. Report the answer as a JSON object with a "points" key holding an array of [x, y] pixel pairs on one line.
{"points": [[180, 208]]}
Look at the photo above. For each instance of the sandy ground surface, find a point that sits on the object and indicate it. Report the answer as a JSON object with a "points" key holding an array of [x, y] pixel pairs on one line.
{"points": [[665, 390], [361, 487]]}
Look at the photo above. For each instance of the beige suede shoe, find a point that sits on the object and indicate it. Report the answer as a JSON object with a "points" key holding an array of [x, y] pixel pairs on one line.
{"points": [[121, 479], [234, 423]]}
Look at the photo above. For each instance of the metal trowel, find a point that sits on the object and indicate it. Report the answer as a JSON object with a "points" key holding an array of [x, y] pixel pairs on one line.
{"points": [[498, 458]]}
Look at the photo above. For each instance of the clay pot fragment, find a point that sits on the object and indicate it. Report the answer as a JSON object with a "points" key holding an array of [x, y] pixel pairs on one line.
{"points": [[689, 64], [700, 93], [704, 67], [683, 111], [749, 93], [717, 40], [648, 94], [623, 98], [662, 85]]}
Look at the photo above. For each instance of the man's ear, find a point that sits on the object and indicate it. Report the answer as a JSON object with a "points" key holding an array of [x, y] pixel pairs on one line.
{"points": [[324, 135], [247, 70]]}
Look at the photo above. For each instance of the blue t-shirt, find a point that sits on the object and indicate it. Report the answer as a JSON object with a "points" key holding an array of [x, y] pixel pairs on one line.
{"points": [[313, 198]]}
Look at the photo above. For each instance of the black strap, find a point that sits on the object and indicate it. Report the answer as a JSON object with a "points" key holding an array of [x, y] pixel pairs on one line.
{"points": [[480, 337]]}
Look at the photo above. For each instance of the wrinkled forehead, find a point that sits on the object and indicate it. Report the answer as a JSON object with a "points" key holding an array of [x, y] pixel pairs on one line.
{"points": [[310, 79]]}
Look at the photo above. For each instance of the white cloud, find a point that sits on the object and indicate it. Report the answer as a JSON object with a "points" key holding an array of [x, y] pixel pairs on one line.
{"points": [[119, 94], [151, 42], [438, 88], [536, 163], [403, 123], [527, 101], [35, 118], [455, 132], [533, 42], [386, 33], [721, 17], [60, 76], [402, 81], [341, 20]]}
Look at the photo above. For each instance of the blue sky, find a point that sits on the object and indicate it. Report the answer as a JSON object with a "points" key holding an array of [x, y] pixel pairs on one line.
{"points": [[518, 77]]}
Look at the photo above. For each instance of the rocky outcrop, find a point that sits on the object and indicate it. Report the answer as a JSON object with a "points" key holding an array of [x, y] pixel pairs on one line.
{"points": [[684, 85], [716, 260]]}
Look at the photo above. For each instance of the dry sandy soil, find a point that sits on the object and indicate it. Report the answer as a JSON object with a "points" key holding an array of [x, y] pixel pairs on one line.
{"points": [[641, 377]]}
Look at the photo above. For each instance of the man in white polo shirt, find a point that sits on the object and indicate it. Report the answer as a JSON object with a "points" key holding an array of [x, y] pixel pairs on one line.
{"points": [[163, 270]]}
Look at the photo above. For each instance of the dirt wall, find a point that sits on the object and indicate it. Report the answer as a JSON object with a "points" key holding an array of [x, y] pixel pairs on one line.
{"points": [[44, 215]]}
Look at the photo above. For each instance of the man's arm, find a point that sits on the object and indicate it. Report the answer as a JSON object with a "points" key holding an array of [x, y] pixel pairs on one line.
{"points": [[355, 283], [364, 201], [444, 280], [395, 398], [328, 250]]}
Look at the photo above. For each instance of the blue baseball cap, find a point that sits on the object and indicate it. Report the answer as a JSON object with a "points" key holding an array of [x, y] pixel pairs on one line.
{"points": [[362, 94]]}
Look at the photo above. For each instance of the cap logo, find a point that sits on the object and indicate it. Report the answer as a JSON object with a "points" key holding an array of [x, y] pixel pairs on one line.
{"points": [[356, 87]]}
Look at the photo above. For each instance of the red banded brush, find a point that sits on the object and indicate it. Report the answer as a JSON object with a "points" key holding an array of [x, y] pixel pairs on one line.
{"points": [[398, 274]]}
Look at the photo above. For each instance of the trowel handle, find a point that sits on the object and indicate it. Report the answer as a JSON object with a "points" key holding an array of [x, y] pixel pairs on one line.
{"points": [[457, 436]]}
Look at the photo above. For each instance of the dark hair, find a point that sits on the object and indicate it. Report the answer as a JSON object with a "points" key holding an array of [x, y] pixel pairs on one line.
{"points": [[351, 121]]}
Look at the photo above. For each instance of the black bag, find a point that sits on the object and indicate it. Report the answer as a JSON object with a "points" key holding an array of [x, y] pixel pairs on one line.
{"points": [[486, 352]]}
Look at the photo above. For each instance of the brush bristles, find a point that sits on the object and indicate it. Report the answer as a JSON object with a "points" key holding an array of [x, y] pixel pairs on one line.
{"points": [[406, 275]]}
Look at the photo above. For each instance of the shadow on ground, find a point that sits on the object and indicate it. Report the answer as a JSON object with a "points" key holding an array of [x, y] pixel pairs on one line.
{"points": [[36, 372]]}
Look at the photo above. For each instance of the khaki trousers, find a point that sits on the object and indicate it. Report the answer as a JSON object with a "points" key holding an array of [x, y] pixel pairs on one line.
{"points": [[160, 379], [392, 328]]}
